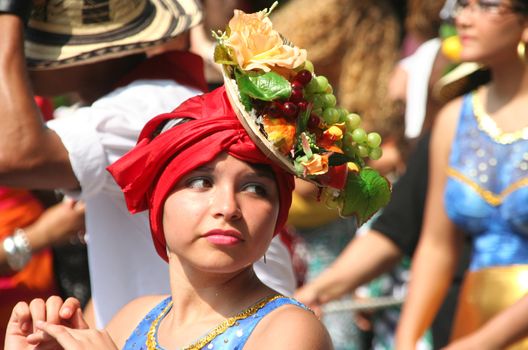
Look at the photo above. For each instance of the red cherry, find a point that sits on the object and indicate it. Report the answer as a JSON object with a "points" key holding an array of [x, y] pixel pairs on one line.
{"points": [[297, 95], [296, 85], [290, 109], [275, 109], [303, 105], [314, 121], [303, 77]]}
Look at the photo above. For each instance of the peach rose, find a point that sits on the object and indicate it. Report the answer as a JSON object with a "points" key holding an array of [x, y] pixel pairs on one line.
{"points": [[256, 45], [317, 165]]}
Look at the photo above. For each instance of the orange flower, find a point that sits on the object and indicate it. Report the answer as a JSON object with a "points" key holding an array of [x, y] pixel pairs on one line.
{"points": [[330, 136], [280, 133], [256, 45], [317, 165]]}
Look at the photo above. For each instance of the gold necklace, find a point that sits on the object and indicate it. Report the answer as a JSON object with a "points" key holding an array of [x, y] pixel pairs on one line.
{"points": [[488, 125], [152, 343]]}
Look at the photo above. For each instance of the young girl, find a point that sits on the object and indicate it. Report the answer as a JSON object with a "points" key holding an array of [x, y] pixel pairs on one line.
{"points": [[215, 202]]}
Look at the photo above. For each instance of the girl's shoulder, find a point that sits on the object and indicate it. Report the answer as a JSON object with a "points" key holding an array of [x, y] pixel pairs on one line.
{"points": [[290, 326], [127, 319]]}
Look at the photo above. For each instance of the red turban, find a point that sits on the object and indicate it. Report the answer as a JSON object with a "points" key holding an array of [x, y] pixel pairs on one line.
{"points": [[149, 172]]}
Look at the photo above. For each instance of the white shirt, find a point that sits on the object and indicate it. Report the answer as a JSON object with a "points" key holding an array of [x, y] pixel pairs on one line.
{"points": [[418, 66], [123, 262]]}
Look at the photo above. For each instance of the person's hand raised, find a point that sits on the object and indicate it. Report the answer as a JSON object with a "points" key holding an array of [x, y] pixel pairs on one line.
{"points": [[308, 295]]}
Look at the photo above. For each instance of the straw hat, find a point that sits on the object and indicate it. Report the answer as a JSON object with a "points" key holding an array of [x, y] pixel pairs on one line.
{"points": [[465, 77], [64, 33]]}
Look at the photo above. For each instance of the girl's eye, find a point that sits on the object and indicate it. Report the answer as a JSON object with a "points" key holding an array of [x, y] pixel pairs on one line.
{"points": [[258, 189], [488, 5], [199, 182]]}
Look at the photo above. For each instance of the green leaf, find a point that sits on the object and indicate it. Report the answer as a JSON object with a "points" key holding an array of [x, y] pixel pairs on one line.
{"points": [[266, 87], [365, 193], [246, 101], [302, 120], [337, 159], [221, 55]]}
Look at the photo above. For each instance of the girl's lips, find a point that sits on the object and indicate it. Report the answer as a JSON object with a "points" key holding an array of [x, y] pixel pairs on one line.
{"points": [[465, 38], [223, 237]]}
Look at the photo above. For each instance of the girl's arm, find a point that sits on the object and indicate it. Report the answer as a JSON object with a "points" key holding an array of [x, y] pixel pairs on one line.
{"points": [[290, 328], [440, 244]]}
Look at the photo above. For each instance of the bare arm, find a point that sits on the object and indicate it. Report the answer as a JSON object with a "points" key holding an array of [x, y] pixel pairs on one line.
{"points": [[30, 154], [440, 244], [55, 226], [500, 332], [290, 328], [365, 258]]}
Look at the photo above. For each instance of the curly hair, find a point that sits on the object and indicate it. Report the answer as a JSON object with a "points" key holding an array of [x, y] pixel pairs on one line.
{"points": [[355, 44], [423, 18]]}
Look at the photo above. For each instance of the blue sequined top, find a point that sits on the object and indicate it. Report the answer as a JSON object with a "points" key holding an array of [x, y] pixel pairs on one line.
{"points": [[487, 187], [231, 334]]}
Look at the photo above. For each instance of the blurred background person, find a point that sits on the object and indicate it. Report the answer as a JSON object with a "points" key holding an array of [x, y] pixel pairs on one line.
{"points": [[481, 140]]}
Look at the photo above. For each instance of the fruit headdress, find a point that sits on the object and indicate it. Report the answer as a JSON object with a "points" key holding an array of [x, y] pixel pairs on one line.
{"points": [[291, 114]]}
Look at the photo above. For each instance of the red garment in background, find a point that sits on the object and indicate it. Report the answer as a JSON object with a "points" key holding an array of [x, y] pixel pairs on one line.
{"points": [[19, 208]]}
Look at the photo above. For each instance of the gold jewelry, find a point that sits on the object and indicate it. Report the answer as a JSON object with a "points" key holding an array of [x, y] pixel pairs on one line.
{"points": [[521, 51], [152, 343]]}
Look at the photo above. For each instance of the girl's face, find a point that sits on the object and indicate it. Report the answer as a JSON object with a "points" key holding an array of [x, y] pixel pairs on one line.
{"points": [[489, 30], [221, 217]]}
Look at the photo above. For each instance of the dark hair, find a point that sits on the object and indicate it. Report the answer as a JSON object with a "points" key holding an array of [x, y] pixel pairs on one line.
{"points": [[520, 6]]}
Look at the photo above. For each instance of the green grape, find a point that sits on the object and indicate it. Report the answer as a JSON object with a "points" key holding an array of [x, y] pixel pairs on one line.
{"points": [[375, 153], [359, 135], [332, 199], [330, 116], [363, 151], [332, 203], [347, 138], [312, 87], [308, 65], [318, 101], [329, 101], [373, 140], [352, 121], [342, 114], [329, 89], [317, 111], [322, 83]]}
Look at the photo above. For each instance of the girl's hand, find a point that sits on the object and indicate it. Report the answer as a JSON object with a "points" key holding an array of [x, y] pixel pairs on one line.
{"points": [[22, 332], [77, 339]]}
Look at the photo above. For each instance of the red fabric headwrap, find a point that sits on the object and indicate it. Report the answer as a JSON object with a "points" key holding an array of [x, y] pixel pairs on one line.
{"points": [[149, 172]]}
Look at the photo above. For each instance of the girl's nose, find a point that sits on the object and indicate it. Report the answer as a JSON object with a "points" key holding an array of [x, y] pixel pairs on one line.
{"points": [[225, 203]]}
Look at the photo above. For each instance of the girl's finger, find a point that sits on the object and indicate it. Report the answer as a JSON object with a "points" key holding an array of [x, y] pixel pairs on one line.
{"points": [[78, 321], [21, 316], [37, 308], [53, 306], [68, 309], [60, 333]]}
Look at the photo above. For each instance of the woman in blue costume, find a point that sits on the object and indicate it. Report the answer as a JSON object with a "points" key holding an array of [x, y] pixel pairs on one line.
{"points": [[478, 181]]}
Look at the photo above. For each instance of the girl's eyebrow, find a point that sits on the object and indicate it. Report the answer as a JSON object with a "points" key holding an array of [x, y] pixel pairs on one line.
{"points": [[260, 170]]}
